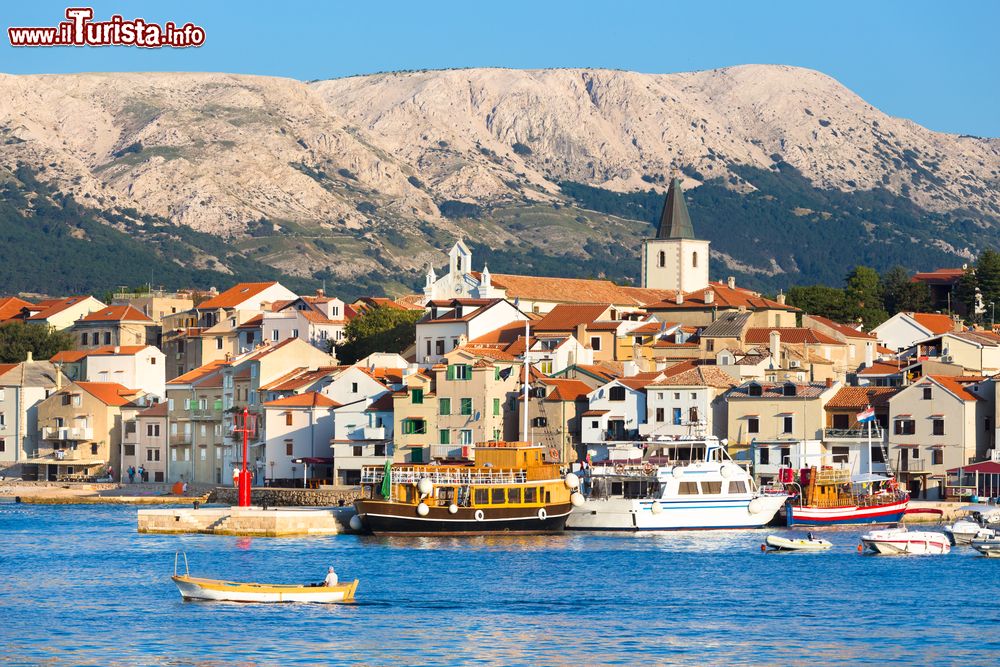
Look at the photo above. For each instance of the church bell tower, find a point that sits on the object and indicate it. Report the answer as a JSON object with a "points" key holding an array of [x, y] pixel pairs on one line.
{"points": [[675, 259]]}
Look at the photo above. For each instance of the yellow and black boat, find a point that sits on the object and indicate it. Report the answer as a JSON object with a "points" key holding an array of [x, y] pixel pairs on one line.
{"points": [[509, 488]]}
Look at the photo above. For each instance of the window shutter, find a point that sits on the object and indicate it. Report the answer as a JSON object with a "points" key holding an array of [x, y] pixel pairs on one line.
{"points": [[450, 374]]}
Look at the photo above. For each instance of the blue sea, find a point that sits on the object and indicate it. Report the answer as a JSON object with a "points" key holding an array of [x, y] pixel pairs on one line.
{"points": [[79, 586]]}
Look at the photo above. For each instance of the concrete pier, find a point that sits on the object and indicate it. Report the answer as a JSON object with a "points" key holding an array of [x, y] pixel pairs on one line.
{"points": [[246, 521]]}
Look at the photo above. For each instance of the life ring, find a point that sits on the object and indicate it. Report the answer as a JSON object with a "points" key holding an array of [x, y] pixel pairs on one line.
{"points": [[619, 469], [647, 468], [480, 515], [553, 454], [542, 514]]}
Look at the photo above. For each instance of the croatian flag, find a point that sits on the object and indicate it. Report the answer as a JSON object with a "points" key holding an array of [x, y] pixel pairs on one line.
{"points": [[866, 415]]}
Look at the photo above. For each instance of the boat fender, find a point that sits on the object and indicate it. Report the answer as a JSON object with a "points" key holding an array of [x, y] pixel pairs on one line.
{"points": [[572, 481], [542, 514], [677, 472], [480, 515], [656, 508], [577, 499], [756, 506], [425, 486], [861, 547], [356, 523], [453, 509], [423, 509], [763, 547], [726, 472]]}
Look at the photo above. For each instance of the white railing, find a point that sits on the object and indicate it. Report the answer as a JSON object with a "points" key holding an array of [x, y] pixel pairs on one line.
{"points": [[444, 475], [67, 433]]}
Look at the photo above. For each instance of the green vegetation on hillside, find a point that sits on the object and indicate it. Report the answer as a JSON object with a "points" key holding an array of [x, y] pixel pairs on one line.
{"points": [[18, 338], [380, 329]]}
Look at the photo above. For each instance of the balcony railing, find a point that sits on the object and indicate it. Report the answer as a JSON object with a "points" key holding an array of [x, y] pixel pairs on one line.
{"points": [[851, 434], [205, 415], [67, 433], [451, 452], [914, 465], [620, 435], [181, 438], [367, 433]]}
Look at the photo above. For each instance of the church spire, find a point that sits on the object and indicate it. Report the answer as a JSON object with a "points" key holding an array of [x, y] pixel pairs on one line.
{"points": [[675, 223]]}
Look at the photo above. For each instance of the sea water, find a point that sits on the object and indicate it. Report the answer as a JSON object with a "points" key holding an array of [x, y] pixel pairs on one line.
{"points": [[79, 586]]}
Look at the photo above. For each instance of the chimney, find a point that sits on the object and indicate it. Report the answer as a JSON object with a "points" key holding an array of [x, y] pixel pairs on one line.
{"points": [[781, 298], [731, 282], [58, 377], [679, 297], [29, 358], [869, 353], [709, 295], [320, 292], [581, 333], [776, 347], [829, 383]]}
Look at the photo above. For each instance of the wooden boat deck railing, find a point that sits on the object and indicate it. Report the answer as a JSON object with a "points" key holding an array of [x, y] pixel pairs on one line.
{"points": [[858, 500], [412, 475]]}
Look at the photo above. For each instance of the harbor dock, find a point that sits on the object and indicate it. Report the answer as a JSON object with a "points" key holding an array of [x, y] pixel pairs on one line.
{"points": [[247, 521]]}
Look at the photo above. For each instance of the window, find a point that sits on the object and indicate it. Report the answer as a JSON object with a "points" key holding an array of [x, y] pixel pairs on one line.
{"points": [[616, 393], [753, 425], [274, 334], [358, 450], [513, 495], [354, 388], [877, 455], [152, 454], [218, 342], [444, 406], [482, 496], [676, 418], [937, 457], [530, 494], [540, 422], [904, 427], [688, 488], [465, 406], [289, 446], [694, 260], [288, 419], [129, 450], [545, 367], [153, 430], [595, 343], [595, 424], [661, 259], [459, 372], [93, 449], [693, 414], [738, 487], [203, 453], [465, 437], [938, 426], [677, 395], [414, 427], [694, 396], [789, 389], [416, 396], [754, 389], [786, 424], [496, 407], [295, 333], [3, 419], [439, 347], [428, 347], [379, 450], [764, 455], [659, 415], [915, 453], [841, 454], [444, 436], [711, 487], [107, 338], [217, 404], [928, 394], [83, 339], [496, 498], [710, 345]]}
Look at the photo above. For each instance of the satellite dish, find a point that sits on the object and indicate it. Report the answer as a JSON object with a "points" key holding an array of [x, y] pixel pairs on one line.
{"points": [[477, 416]]}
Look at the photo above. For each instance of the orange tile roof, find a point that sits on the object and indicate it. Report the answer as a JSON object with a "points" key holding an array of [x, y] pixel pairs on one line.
{"points": [[501, 337], [678, 368], [938, 275], [55, 306], [119, 349], [11, 307], [858, 398], [573, 290], [566, 390], [158, 410], [198, 373], [762, 336], [235, 295], [6, 368], [598, 370], [311, 399], [700, 376], [68, 356], [110, 393], [117, 314], [882, 368], [934, 322], [843, 329], [566, 316], [724, 297], [952, 385]]}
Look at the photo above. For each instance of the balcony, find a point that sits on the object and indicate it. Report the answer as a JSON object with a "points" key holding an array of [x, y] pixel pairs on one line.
{"points": [[853, 434], [915, 465], [180, 438], [451, 452], [205, 415], [67, 433], [367, 433], [620, 435]]}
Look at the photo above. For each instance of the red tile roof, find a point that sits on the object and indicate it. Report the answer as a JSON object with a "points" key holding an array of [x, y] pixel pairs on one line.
{"points": [[762, 336], [565, 316], [55, 306], [68, 356], [117, 314], [843, 329], [235, 295], [110, 393], [699, 376], [11, 307], [158, 410], [724, 297], [952, 385], [198, 373], [882, 368], [312, 399], [858, 398], [934, 322], [939, 276], [566, 390], [573, 290]]}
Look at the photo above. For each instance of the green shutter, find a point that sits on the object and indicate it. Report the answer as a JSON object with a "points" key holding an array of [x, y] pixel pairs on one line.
{"points": [[468, 371], [450, 374], [444, 435], [444, 406], [417, 455], [466, 406], [417, 396], [496, 407], [218, 404]]}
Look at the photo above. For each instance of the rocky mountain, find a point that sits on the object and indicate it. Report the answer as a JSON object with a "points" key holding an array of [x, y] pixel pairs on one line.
{"points": [[364, 180]]}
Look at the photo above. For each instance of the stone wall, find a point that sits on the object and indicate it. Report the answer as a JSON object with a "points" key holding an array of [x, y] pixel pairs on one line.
{"points": [[343, 496]]}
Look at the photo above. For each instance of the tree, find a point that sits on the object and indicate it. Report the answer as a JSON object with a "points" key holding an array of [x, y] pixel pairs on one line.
{"points": [[820, 300], [902, 294], [380, 329], [967, 291], [864, 296], [988, 276], [18, 338]]}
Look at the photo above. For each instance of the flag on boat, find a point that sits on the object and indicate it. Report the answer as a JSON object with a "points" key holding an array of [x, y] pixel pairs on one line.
{"points": [[866, 415]]}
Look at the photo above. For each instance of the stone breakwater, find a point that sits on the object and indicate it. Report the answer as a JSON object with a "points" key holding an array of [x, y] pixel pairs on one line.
{"points": [[271, 497], [245, 521]]}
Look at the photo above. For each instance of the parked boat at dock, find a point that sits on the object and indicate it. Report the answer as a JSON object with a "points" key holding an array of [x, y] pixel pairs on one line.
{"points": [[975, 525], [899, 540], [682, 484], [509, 488], [989, 548]]}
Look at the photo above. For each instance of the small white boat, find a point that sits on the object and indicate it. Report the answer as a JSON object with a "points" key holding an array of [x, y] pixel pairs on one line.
{"points": [[810, 543], [975, 525], [197, 588], [989, 548], [902, 541]]}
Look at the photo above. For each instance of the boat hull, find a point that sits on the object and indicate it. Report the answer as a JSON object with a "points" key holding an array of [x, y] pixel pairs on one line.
{"points": [[806, 515], [965, 532], [989, 548], [193, 588], [919, 543], [383, 518], [635, 515], [785, 544]]}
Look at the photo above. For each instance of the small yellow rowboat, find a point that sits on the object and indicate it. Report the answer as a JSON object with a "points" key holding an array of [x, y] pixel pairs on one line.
{"points": [[196, 588]]}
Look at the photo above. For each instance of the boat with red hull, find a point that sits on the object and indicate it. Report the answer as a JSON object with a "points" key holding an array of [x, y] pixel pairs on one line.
{"points": [[828, 496]]}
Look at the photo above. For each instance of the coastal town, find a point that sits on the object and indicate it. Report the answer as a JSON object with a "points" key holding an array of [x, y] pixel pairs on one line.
{"points": [[155, 384]]}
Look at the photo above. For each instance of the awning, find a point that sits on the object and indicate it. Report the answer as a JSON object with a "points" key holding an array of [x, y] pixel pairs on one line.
{"points": [[595, 413], [870, 477], [748, 416], [905, 446], [934, 416], [988, 467], [906, 415], [49, 461]]}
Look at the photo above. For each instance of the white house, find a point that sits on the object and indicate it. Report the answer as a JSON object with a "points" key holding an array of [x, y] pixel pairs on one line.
{"points": [[317, 320], [448, 324], [902, 331], [133, 366], [616, 412], [363, 432], [297, 449], [690, 403], [22, 387]]}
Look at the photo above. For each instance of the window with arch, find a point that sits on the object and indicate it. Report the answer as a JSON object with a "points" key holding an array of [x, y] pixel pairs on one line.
{"points": [[661, 259], [694, 259]]}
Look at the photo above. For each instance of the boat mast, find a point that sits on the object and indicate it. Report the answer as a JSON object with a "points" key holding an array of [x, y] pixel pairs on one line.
{"points": [[527, 365]]}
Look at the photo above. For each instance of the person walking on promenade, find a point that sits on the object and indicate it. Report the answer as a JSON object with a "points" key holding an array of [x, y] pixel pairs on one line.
{"points": [[131, 474]]}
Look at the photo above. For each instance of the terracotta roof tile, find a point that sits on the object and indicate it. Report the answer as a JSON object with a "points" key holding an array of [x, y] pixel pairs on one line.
{"points": [[934, 322], [842, 329], [158, 410], [858, 398], [311, 399], [573, 290], [117, 314], [235, 295], [701, 376], [566, 316], [566, 390], [798, 335], [55, 306], [882, 368], [198, 373], [11, 307], [110, 393], [952, 385]]}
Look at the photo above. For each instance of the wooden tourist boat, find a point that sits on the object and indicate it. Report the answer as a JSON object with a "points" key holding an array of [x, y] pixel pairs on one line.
{"points": [[827, 496], [509, 488], [198, 588]]}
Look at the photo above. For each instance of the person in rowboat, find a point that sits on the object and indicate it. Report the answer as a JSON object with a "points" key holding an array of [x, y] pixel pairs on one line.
{"points": [[331, 578]]}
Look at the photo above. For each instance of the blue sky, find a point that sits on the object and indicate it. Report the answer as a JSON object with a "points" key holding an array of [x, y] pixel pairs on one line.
{"points": [[934, 62]]}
